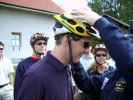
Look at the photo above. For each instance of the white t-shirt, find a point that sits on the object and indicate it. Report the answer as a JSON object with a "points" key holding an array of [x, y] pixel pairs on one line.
{"points": [[6, 68]]}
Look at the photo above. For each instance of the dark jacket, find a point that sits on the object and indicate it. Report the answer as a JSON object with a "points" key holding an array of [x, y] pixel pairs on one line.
{"points": [[116, 85], [48, 79], [21, 69]]}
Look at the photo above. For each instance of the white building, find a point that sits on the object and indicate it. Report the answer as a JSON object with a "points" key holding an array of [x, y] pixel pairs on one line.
{"points": [[19, 19]]}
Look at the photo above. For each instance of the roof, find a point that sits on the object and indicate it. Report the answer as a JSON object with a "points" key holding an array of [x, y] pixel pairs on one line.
{"points": [[42, 5]]}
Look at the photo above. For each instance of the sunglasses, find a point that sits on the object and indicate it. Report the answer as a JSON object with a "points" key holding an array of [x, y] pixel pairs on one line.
{"points": [[1, 48], [99, 55], [41, 43]]}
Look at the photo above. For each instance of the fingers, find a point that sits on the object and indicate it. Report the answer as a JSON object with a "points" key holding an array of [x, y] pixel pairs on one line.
{"points": [[84, 14]]}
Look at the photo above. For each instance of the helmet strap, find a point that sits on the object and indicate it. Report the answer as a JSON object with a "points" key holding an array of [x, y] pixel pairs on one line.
{"points": [[70, 50]]}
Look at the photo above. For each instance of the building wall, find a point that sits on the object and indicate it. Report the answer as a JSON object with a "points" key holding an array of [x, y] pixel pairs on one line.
{"points": [[13, 20]]}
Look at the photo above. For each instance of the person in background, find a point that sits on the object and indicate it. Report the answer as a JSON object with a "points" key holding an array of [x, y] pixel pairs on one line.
{"points": [[88, 59], [38, 43], [6, 75], [101, 65]]}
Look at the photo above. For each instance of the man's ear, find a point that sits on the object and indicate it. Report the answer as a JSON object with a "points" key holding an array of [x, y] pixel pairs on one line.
{"points": [[65, 40]]}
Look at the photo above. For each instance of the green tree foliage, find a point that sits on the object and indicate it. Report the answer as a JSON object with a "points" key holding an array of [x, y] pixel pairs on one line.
{"points": [[120, 9], [126, 10]]}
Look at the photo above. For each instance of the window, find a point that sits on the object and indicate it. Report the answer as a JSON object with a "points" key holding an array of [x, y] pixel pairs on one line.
{"points": [[16, 40]]}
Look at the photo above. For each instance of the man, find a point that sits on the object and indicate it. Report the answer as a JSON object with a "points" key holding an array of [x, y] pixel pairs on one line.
{"points": [[87, 59], [6, 76], [114, 85], [50, 78], [38, 43]]}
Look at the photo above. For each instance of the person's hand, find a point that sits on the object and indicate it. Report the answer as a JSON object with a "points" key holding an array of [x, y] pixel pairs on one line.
{"points": [[85, 14]]}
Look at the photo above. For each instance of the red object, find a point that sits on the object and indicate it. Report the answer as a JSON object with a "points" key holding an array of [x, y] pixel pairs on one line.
{"points": [[44, 5], [35, 58]]}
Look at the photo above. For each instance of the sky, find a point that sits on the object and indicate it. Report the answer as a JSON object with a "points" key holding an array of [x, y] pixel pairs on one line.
{"points": [[70, 4]]}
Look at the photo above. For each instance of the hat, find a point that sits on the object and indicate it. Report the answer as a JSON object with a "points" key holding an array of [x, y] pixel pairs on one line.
{"points": [[36, 37], [99, 47], [59, 29]]}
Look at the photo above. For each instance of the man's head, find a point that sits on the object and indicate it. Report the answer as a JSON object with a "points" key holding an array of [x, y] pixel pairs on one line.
{"points": [[1, 48], [70, 43], [39, 43]]}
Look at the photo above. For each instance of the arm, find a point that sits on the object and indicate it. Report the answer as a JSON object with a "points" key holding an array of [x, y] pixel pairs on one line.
{"points": [[18, 78], [85, 82], [11, 76], [10, 72], [119, 46]]}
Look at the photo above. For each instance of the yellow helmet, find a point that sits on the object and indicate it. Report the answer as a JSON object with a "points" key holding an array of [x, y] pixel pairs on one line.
{"points": [[75, 26]]}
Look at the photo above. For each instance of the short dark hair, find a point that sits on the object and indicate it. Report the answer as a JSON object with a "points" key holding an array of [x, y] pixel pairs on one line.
{"points": [[1, 43], [58, 38]]}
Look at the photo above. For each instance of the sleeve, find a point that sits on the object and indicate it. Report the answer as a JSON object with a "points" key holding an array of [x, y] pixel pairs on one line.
{"points": [[120, 47], [86, 83], [18, 78], [31, 88], [20, 71]]}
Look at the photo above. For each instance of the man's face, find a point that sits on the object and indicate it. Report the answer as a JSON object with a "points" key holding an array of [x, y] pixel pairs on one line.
{"points": [[79, 47], [101, 57], [40, 46], [1, 50]]}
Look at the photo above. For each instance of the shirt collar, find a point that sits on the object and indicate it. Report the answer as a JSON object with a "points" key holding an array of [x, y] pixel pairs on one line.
{"points": [[35, 58]]}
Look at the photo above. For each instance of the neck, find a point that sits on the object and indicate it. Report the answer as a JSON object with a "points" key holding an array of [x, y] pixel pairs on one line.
{"points": [[36, 54], [102, 67], [58, 53]]}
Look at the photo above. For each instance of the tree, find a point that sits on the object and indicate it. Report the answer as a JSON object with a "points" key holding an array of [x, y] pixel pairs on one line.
{"points": [[120, 9]]}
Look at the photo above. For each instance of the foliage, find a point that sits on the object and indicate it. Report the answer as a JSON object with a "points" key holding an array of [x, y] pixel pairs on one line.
{"points": [[121, 9]]}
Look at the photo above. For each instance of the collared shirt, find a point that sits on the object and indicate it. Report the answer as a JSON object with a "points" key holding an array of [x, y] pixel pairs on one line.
{"points": [[48, 79]]}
